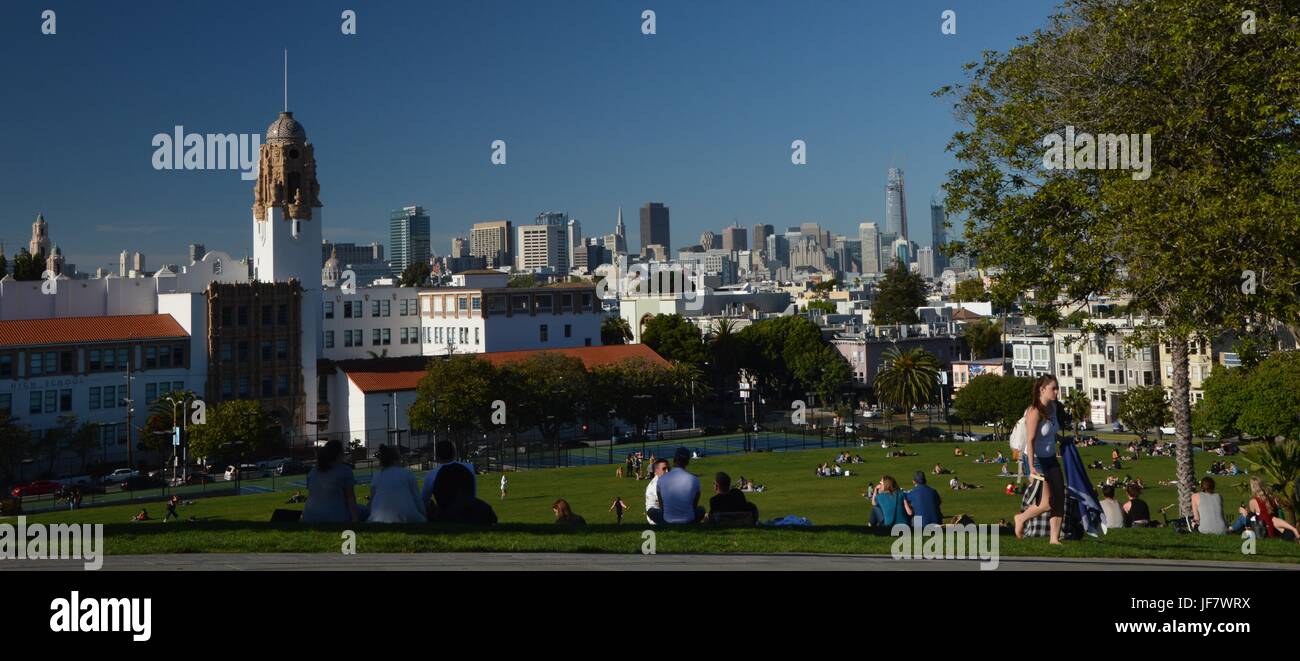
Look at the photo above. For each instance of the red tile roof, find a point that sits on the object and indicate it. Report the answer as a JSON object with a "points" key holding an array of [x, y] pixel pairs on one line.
{"points": [[389, 374], [73, 330]]}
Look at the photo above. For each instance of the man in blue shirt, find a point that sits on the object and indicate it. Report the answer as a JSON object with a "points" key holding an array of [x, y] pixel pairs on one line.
{"points": [[679, 494], [923, 501]]}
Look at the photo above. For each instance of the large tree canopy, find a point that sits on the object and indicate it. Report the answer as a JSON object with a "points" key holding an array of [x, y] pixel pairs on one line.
{"points": [[1211, 240]]}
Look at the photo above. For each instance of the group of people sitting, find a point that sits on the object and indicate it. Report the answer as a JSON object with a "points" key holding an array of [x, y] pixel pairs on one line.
{"points": [[891, 505], [1224, 469], [449, 493], [957, 485], [673, 497], [1261, 513], [844, 458], [998, 459], [832, 470]]}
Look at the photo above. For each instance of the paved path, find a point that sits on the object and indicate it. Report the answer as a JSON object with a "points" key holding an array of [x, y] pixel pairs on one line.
{"points": [[607, 562]]}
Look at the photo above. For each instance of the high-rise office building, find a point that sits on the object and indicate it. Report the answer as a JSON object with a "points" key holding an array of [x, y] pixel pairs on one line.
{"points": [[491, 240], [709, 240], [925, 262], [558, 219], [733, 239], [542, 247], [901, 252], [654, 225], [869, 235], [459, 247], [938, 233], [573, 245], [552, 218], [761, 232], [814, 230], [408, 237], [895, 205]]}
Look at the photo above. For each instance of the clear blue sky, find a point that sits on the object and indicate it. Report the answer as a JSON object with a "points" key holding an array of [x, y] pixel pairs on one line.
{"points": [[595, 115]]}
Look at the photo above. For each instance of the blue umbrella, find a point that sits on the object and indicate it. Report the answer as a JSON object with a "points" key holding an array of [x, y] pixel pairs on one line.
{"points": [[1080, 488]]}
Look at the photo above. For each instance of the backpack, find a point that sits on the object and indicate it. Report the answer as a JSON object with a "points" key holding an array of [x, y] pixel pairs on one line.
{"points": [[1019, 435]]}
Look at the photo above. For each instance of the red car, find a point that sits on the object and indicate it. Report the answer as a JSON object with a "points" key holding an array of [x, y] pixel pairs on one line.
{"points": [[37, 488]]}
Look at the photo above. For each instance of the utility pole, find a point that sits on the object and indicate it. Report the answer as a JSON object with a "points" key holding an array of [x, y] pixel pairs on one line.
{"points": [[130, 408]]}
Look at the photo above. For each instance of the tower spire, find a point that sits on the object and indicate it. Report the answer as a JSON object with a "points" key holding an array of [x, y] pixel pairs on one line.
{"points": [[286, 80]]}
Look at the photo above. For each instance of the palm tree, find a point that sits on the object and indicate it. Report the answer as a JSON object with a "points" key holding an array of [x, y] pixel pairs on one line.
{"points": [[1078, 406], [1278, 465], [908, 379]]}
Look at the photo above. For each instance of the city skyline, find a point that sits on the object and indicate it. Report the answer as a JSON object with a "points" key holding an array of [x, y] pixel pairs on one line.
{"points": [[573, 156]]}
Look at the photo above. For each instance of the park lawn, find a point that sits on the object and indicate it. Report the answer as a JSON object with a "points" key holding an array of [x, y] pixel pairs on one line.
{"points": [[835, 505]]}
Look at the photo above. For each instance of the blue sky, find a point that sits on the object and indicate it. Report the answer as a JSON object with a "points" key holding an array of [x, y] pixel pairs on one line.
{"points": [[595, 115]]}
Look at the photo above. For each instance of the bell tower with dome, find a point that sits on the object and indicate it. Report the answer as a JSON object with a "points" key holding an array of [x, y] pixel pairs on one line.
{"points": [[287, 218]]}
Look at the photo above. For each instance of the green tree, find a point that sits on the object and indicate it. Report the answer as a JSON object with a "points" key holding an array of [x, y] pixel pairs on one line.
{"points": [[527, 280], [1272, 406], [674, 338], [898, 295], [233, 427], [1079, 407], [615, 330], [1225, 397], [1144, 407], [983, 337], [1214, 200], [825, 307], [993, 398], [554, 391], [909, 378], [82, 441], [4, 266], [971, 289], [13, 446], [455, 397], [415, 274], [28, 267], [1278, 465]]}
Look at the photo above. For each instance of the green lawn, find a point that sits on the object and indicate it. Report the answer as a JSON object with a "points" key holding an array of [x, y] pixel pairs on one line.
{"points": [[835, 505]]}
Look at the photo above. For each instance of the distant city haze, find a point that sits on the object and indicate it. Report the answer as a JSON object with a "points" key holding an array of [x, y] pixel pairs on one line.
{"points": [[698, 117]]}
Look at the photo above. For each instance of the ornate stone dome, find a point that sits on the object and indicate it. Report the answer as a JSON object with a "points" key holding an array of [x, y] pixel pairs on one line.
{"points": [[284, 130]]}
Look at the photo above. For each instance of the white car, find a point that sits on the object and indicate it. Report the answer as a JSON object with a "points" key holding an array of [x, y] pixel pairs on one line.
{"points": [[1168, 431], [871, 414], [120, 474]]}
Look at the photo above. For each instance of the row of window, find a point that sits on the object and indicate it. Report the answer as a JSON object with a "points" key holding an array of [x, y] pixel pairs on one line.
{"points": [[271, 315], [496, 304], [268, 350], [406, 307], [47, 363], [242, 387]]}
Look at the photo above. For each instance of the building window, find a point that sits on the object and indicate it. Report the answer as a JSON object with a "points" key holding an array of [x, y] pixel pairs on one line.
{"points": [[1110, 353], [51, 401], [65, 362], [543, 303], [65, 400], [329, 309], [150, 393], [329, 339], [464, 335], [165, 357], [34, 402], [1078, 360], [282, 384], [374, 337], [586, 302], [374, 308], [94, 398], [566, 302], [282, 314], [496, 304], [121, 359], [243, 386], [227, 316], [1110, 376], [34, 364], [568, 330], [542, 332], [266, 387], [519, 303], [6, 404], [1147, 379], [6, 366], [266, 350], [462, 303], [476, 340], [243, 315], [282, 349], [267, 318], [227, 389], [424, 303], [109, 400], [404, 337], [227, 352], [243, 351], [476, 303]]}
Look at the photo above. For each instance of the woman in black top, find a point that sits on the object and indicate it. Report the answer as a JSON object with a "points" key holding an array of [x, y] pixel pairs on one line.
{"points": [[1136, 512]]}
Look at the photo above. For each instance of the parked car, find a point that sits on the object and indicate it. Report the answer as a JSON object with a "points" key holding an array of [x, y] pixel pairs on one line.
{"points": [[37, 488], [249, 471], [141, 483], [1168, 431], [272, 464], [966, 436], [120, 474], [871, 414], [292, 468], [192, 478]]}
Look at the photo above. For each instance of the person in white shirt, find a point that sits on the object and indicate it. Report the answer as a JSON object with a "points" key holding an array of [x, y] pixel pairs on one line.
{"points": [[394, 493], [504, 484], [1111, 512], [679, 494], [445, 453], [659, 467]]}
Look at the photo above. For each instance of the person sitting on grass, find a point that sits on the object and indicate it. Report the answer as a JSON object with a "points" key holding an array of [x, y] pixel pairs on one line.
{"points": [[962, 520], [679, 494], [1137, 514], [957, 485], [957, 452], [1112, 514], [999, 459], [1207, 510], [652, 502], [983, 459], [445, 454], [923, 501], [331, 488], [887, 507], [394, 492], [564, 514], [940, 470], [727, 499], [142, 515], [295, 498]]}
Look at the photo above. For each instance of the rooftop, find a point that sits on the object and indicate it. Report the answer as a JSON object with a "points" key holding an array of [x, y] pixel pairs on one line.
{"points": [[72, 330]]}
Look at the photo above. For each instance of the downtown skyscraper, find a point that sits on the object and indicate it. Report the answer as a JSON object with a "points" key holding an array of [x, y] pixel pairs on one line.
{"points": [[408, 231], [654, 226], [895, 205]]}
